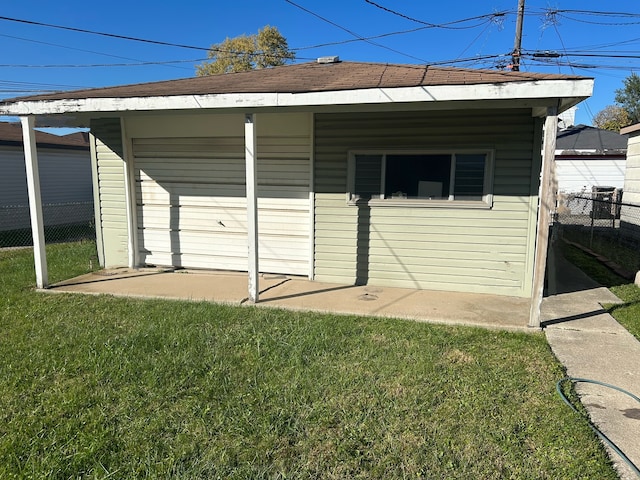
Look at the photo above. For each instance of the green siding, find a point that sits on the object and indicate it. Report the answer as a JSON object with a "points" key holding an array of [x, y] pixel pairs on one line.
{"points": [[459, 249], [111, 190]]}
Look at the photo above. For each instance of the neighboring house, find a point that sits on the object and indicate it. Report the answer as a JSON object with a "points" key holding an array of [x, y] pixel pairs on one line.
{"points": [[389, 175], [588, 157], [630, 212], [65, 178]]}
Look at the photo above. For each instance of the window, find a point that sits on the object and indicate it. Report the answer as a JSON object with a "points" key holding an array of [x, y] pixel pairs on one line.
{"points": [[421, 178]]}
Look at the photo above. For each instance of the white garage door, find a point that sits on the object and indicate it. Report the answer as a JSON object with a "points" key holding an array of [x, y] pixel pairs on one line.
{"points": [[191, 203]]}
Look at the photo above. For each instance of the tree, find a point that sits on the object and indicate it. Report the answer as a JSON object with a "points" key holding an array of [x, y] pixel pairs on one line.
{"points": [[612, 117], [267, 48], [628, 97]]}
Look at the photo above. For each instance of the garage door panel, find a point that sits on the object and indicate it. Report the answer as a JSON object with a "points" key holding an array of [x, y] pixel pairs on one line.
{"points": [[191, 218], [226, 261], [215, 219], [189, 260], [191, 199], [171, 191], [287, 267], [220, 191], [218, 165], [271, 247], [268, 252], [270, 231], [197, 242]]}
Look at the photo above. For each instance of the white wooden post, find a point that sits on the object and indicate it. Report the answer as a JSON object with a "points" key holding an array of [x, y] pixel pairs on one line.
{"points": [[250, 142], [546, 199], [312, 197], [35, 201]]}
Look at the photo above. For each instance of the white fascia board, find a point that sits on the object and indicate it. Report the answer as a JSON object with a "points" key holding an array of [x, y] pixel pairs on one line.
{"points": [[575, 89]]}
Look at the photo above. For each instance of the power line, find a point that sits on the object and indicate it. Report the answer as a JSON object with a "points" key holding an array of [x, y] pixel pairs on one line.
{"points": [[586, 104], [352, 40], [578, 54], [612, 24], [360, 37], [37, 84], [169, 63], [603, 45], [543, 56], [447, 25], [170, 44], [20, 88], [425, 25], [104, 34], [75, 48], [94, 65], [470, 59], [547, 62], [594, 12]]}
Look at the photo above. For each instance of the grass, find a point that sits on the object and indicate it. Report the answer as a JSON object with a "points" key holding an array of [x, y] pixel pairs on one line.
{"points": [[628, 313], [591, 266], [103, 387], [607, 242]]}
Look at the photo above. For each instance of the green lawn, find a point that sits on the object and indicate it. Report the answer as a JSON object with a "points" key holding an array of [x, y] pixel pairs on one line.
{"points": [[102, 387], [627, 314]]}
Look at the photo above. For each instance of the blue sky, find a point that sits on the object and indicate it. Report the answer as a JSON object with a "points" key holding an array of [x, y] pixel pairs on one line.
{"points": [[33, 56]]}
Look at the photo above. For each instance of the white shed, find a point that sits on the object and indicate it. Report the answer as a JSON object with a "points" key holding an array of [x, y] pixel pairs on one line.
{"points": [[66, 184], [588, 157], [629, 215]]}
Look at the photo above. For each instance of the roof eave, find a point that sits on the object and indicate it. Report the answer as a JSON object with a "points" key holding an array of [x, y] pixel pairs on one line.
{"points": [[567, 92], [631, 130]]}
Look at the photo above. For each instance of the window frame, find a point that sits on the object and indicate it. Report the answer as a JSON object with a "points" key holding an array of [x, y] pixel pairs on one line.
{"points": [[487, 195]]}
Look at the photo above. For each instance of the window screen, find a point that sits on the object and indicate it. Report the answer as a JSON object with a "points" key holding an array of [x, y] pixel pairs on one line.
{"points": [[368, 176]]}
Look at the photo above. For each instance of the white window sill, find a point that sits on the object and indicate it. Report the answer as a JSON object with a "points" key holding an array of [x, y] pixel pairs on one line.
{"points": [[418, 203]]}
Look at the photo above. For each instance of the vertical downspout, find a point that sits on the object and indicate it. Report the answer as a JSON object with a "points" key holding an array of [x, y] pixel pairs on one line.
{"points": [[35, 200]]}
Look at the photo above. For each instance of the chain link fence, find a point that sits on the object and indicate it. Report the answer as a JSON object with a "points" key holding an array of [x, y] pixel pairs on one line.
{"points": [[602, 223], [63, 222]]}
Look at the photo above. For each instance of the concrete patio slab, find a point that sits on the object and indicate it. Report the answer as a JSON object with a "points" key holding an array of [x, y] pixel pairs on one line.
{"points": [[220, 287], [296, 293]]}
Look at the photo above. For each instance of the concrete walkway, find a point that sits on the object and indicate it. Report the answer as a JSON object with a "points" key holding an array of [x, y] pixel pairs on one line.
{"points": [[591, 344]]}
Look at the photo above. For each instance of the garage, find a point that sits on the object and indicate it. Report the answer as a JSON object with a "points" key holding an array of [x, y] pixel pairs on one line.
{"points": [[191, 202]]}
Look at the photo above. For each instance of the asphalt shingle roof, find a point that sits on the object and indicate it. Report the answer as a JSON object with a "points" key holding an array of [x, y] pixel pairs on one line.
{"points": [[584, 137], [11, 134], [306, 77]]}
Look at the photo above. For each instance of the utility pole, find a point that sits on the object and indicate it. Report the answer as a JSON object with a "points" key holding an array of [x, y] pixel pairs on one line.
{"points": [[517, 46]]}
